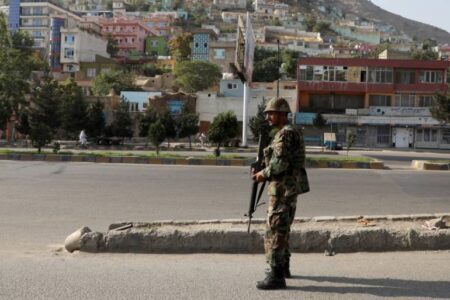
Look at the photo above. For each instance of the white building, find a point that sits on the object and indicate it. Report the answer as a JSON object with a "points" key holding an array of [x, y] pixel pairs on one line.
{"points": [[79, 46]]}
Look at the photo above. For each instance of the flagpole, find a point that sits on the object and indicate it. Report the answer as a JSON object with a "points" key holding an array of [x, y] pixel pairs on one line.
{"points": [[245, 114]]}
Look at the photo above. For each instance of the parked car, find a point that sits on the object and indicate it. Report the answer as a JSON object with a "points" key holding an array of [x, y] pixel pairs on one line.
{"points": [[105, 140], [332, 145]]}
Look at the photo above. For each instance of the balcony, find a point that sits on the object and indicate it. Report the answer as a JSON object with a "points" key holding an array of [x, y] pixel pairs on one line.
{"points": [[364, 87]]}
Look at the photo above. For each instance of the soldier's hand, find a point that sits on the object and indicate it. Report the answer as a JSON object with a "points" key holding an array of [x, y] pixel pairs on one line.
{"points": [[258, 177]]}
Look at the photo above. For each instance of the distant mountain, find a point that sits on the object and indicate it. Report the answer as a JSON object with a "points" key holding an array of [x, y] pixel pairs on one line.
{"points": [[368, 10]]}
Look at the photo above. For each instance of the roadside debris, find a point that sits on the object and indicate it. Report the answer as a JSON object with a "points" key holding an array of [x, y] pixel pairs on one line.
{"points": [[435, 224], [364, 222]]}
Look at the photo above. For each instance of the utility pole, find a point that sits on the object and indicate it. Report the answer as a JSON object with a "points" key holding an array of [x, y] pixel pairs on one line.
{"points": [[278, 68]]}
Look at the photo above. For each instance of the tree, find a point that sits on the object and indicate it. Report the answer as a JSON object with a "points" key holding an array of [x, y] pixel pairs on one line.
{"points": [[114, 80], [122, 122], [170, 125], [310, 22], [157, 134], [40, 135], [150, 117], [188, 123], [258, 122], [151, 70], [16, 64], [223, 128], [267, 64], [180, 47], [111, 47], [266, 70], [441, 109], [44, 116], [95, 123], [73, 108], [319, 122], [351, 138], [426, 52], [194, 76]]}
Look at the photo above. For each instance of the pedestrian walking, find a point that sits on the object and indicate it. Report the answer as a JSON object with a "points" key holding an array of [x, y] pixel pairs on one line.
{"points": [[286, 174], [83, 139]]}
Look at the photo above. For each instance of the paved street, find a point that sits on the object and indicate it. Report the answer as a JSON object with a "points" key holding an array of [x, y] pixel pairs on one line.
{"points": [[59, 275], [41, 203]]}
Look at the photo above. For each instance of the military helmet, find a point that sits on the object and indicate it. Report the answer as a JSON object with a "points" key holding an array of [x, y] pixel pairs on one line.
{"points": [[277, 104]]}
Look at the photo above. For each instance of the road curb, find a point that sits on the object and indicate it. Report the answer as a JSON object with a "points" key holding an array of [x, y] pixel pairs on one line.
{"points": [[429, 165], [340, 234], [179, 161]]}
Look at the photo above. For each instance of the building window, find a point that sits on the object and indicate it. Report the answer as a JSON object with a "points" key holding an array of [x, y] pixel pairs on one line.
{"points": [[219, 53], [426, 101], [405, 76], [383, 134], [379, 100], [405, 100], [323, 73], [91, 72], [196, 45], [69, 39], [154, 44], [380, 75], [232, 86], [427, 135], [445, 136], [332, 73], [68, 53], [430, 76]]}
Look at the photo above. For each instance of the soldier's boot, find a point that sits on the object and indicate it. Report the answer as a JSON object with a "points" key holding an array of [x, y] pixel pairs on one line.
{"points": [[274, 280], [287, 271]]}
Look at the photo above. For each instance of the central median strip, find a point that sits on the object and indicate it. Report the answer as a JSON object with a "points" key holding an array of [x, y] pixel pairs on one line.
{"points": [[336, 234], [173, 159]]}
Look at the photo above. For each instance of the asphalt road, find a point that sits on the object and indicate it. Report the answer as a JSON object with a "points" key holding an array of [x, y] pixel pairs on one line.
{"points": [[42, 202], [59, 275]]}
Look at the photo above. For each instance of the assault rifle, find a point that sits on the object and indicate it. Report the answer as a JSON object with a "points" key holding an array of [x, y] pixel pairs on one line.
{"points": [[255, 167]]}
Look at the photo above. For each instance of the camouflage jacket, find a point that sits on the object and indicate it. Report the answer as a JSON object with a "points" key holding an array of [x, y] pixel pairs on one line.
{"points": [[285, 163]]}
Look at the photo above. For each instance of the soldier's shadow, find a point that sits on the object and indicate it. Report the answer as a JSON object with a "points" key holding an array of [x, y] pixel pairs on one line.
{"points": [[384, 287]]}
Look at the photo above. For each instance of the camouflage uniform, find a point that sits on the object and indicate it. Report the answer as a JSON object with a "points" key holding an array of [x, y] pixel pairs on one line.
{"points": [[285, 170]]}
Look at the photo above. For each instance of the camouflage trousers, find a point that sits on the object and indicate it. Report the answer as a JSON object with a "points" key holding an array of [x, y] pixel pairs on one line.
{"points": [[280, 215]]}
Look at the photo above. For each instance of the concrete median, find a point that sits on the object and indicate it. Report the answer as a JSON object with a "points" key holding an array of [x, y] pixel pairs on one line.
{"points": [[337, 234]]}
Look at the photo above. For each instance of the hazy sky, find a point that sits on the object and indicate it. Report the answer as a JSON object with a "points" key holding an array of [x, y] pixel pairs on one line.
{"points": [[433, 12]]}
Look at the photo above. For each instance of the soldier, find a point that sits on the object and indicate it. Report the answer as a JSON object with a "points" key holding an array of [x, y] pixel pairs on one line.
{"points": [[285, 171]]}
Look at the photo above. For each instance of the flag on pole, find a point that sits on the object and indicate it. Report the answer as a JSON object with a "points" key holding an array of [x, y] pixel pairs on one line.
{"points": [[245, 49], [249, 49]]}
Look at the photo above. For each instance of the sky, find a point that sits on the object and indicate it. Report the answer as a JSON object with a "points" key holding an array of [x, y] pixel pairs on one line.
{"points": [[433, 12]]}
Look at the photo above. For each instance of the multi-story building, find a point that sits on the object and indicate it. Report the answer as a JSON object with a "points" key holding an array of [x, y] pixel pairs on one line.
{"points": [[222, 54], [35, 17], [385, 102], [129, 34], [78, 46], [270, 10], [43, 20], [230, 4], [162, 25], [201, 43]]}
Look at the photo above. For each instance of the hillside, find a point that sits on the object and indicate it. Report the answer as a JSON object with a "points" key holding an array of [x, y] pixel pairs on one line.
{"points": [[368, 10]]}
